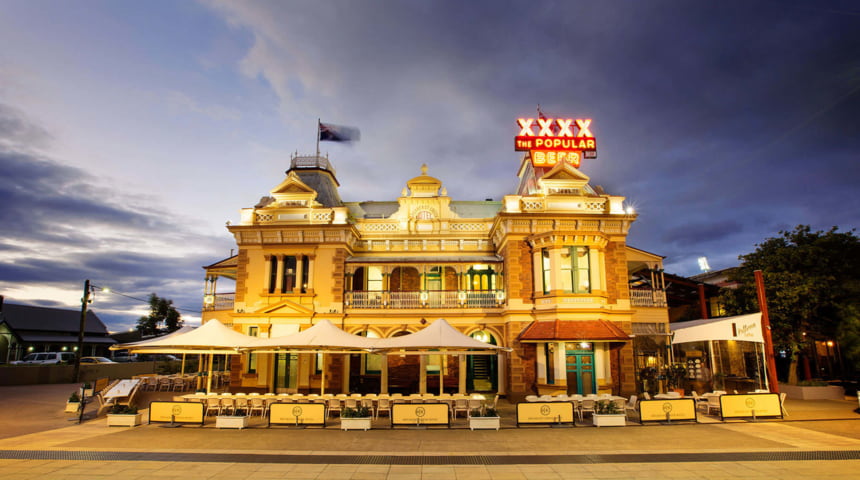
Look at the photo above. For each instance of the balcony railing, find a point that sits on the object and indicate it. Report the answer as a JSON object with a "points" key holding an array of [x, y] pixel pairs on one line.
{"points": [[218, 301], [425, 299], [647, 298]]}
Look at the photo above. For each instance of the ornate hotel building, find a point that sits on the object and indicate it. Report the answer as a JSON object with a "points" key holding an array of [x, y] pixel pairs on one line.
{"points": [[546, 271]]}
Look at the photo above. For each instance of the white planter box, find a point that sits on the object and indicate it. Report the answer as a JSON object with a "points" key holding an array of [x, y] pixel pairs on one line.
{"points": [[355, 423], [484, 423], [72, 407], [610, 420], [114, 420], [227, 421]]}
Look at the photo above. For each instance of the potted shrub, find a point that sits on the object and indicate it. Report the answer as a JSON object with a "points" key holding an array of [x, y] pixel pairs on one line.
{"points": [[73, 405], [608, 414], [239, 419], [123, 416], [487, 420], [677, 374], [358, 418]]}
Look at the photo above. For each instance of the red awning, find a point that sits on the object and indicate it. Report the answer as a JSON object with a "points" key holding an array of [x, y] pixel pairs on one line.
{"points": [[573, 331]]}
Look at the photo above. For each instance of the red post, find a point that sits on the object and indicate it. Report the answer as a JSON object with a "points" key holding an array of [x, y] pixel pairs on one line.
{"points": [[765, 327], [703, 302]]}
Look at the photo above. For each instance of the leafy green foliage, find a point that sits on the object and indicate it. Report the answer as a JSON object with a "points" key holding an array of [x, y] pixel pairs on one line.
{"points": [[161, 311], [606, 407], [123, 410], [357, 412], [74, 398], [812, 283]]}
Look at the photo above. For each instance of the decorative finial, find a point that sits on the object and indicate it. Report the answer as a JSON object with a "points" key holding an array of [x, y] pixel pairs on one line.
{"points": [[423, 169]]}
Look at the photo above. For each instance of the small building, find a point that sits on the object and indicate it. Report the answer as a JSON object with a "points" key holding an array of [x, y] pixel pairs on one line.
{"points": [[25, 329]]}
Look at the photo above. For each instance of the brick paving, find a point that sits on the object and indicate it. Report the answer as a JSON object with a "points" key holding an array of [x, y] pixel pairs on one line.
{"points": [[819, 439]]}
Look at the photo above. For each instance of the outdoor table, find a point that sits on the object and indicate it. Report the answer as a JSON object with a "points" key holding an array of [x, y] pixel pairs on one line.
{"points": [[122, 389]]}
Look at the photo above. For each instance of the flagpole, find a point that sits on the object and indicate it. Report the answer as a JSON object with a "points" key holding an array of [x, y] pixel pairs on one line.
{"points": [[318, 138]]}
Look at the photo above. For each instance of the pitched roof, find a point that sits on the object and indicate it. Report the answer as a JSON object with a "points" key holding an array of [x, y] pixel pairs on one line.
{"points": [[45, 319], [573, 330]]}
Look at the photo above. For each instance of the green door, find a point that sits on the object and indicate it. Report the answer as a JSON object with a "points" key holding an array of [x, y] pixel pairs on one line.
{"points": [[580, 372], [286, 369]]}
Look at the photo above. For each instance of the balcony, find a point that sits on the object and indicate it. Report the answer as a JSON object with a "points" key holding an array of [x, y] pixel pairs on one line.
{"points": [[218, 301], [647, 298], [424, 299]]}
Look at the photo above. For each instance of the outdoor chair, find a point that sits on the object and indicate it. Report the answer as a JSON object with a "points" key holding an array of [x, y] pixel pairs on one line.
{"points": [[383, 404], [714, 404], [782, 403], [631, 405], [368, 402], [460, 405], [257, 404], [474, 404], [228, 405], [586, 406], [532, 398], [164, 384], [332, 405], [241, 404], [213, 404], [178, 384], [646, 395], [350, 402]]}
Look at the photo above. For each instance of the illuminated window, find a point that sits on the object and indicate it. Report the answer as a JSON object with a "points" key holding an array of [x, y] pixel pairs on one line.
{"points": [[253, 331], [575, 270], [273, 273], [546, 270], [481, 277]]}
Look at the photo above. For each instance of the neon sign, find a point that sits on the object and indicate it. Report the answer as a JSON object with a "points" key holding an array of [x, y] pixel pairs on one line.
{"points": [[553, 140]]}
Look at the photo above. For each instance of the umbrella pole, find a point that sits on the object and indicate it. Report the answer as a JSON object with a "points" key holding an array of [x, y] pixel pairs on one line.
{"points": [[209, 377], [182, 370], [441, 374], [322, 368]]}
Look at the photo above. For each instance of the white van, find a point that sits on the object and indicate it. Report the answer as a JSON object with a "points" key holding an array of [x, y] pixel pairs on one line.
{"points": [[46, 358]]}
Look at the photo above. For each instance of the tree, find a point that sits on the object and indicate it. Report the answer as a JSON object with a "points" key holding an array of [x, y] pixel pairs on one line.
{"points": [[161, 311], [812, 282]]}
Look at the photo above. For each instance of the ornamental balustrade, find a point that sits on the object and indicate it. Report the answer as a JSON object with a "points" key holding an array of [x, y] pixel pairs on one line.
{"points": [[647, 298], [362, 299]]}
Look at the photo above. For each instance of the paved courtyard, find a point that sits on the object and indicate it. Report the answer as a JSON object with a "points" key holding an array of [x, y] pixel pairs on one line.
{"points": [[819, 439]]}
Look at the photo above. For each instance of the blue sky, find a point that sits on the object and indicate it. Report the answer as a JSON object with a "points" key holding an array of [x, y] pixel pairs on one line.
{"points": [[130, 132]]}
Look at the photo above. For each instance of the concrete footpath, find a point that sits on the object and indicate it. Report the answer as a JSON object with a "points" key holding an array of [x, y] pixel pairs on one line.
{"points": [[818, 439]]}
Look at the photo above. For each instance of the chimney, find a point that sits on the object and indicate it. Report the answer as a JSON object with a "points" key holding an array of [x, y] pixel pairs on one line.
{"points": [[1, 303]]}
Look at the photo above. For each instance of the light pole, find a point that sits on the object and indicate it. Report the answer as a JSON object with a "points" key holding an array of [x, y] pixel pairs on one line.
{"points": [[85, 300]]}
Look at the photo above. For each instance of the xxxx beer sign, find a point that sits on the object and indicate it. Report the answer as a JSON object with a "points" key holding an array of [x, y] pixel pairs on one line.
{"points": [[553, 140]]}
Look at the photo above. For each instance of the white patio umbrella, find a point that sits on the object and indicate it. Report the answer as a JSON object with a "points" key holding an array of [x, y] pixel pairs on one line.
{"points": [[438, 338], [211, 338], [324, 337]]}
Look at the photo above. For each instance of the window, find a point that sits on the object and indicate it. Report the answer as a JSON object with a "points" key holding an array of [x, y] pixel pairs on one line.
{"points": [[575, 270], [253, 331], [481, 277], [288, 284], [546, 269], [273, 273]]}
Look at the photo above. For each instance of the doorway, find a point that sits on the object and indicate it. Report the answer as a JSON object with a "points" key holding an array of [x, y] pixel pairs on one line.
{"points": [[580, 372]]}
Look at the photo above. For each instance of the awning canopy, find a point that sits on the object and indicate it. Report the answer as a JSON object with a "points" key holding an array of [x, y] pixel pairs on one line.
{"points": [[742, 327], [573, 331]]}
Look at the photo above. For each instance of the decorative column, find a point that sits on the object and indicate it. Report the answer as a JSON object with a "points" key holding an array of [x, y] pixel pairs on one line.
{"points": [[422, 376], [383, 382], [537, 266], [541, 363], [502, 374], [462, 365], [344, 384], [560, 364], [279, 278]]}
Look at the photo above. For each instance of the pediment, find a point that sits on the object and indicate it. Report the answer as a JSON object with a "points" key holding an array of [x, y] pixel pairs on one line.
{"points": [[563, 178], [292, 188], [286, 307]]}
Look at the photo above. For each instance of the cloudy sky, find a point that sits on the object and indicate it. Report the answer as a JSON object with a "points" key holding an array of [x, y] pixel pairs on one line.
{"points": [[130, 132]]}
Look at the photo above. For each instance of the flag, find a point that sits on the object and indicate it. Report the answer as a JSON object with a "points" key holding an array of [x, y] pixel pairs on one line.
{"points": [[338, 133]]}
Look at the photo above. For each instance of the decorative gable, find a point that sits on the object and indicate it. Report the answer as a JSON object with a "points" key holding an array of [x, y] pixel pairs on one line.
{"points": [[293, 192], [563, 179]]}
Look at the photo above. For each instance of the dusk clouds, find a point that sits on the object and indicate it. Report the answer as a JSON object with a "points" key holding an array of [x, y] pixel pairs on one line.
{"points": [[129, 133]]}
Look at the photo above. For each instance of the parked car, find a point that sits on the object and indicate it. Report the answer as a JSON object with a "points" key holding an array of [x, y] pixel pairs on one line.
{"points": [[46, 358], [124, 357], [161, 358], [96, 360]]}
